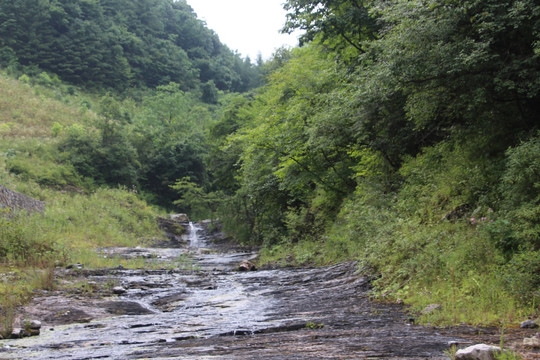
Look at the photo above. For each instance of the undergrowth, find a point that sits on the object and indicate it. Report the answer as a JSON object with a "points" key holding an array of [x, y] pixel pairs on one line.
{"points": [[460, 231]]}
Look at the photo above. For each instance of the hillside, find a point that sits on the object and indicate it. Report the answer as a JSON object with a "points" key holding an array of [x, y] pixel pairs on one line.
{"points": [[403, 135], [120, 44]]}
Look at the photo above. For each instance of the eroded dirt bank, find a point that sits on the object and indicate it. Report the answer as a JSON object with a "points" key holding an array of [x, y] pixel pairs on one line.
{"points": [[209, 310]]}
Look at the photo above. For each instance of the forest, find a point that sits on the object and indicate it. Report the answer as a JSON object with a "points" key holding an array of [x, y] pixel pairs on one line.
{"points": [[401, 134]]}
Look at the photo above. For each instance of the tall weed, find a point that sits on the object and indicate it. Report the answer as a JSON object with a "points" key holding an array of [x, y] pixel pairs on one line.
{"points": [[24, 240]]}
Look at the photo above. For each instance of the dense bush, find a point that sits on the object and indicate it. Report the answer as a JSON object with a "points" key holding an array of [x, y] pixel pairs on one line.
{"points": [[44, 172], [25, 241], [520, 190]]}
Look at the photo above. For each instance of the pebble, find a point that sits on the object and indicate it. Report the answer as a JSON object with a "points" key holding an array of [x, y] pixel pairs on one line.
{"points": [[533, 342], [75, 266], [118, 290]]}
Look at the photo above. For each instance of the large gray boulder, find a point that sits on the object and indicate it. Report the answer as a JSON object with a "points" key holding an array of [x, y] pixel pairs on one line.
{"points": [[478, 352]]}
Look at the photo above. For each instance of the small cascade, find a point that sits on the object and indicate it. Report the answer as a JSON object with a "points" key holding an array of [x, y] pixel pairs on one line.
{"points": [[193, 237]]}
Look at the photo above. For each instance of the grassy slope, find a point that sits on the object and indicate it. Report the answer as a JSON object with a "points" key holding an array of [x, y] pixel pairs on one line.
{"points": [[29, 112], [75, 220]]}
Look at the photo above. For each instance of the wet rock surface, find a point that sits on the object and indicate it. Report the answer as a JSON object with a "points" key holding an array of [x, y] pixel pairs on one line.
{"points": [[205, 308]]}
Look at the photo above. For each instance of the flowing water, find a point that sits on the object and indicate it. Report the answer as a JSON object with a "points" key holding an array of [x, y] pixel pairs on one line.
{"points": [[193, 236], [208, 310]]}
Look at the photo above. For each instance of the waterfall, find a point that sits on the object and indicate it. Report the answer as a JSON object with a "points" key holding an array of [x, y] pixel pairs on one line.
{"points": [[193, 237]]}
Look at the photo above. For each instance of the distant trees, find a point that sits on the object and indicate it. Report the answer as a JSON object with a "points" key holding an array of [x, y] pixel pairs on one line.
{"points": [[118, 44]]}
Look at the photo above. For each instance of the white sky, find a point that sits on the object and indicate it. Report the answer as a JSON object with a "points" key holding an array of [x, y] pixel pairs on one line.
{"points": [[247, 26]]}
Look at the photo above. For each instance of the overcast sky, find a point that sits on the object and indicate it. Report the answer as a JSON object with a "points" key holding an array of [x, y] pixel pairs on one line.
{"points": [[247, 26]]}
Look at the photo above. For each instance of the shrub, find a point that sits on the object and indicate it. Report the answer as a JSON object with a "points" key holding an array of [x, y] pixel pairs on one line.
{"points": [[521, 276], [43, 171], [520, 189], [113, 162], [24, 240]]}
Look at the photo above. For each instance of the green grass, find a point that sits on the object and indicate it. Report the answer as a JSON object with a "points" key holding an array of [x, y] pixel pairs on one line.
{"points": [[30, 112]]}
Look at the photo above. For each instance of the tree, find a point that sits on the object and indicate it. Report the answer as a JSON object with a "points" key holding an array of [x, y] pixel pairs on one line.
{"points": [[193, 199], [120, 44], [340, 24]]}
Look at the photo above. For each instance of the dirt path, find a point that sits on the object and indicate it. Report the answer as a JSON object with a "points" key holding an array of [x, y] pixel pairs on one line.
{"points": [[212, 311]]}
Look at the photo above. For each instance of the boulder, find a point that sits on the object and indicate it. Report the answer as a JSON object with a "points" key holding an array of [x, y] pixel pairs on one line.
{"points": [[30, 332], [478, 352], [33, 328], [34, 325], [125, 308], [173, 229], [17, 333], [529, 324], [246, 266], [532, 342]]}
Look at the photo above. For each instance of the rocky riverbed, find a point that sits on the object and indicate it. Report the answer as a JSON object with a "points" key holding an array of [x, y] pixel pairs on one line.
{"points": [[200, 307]]}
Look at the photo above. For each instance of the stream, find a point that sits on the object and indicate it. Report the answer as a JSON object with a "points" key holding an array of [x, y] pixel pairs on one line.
{"points": [[198, 306]]}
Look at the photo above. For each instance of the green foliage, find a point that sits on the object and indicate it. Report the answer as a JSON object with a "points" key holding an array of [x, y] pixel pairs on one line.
{"points": [[452, 175], [43, 171], [507, 355], [105, 156], [520, 189], [56, 129], [195, 201], [433, 122], [292, 156], [117, 45], [342, 24], [314, 326], [8, 58], [209, 92], [25, 242], [521, 276], [224, 155]]}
